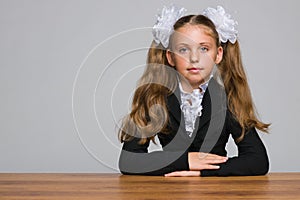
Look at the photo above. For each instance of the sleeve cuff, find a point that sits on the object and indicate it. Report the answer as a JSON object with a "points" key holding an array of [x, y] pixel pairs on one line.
{"points": [[182, 163]]}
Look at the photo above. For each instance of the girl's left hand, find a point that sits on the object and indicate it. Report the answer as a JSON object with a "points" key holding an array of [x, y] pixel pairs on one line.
{"points": [[183, 173]]}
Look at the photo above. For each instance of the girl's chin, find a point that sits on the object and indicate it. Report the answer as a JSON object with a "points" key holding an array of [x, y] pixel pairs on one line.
{"points": [[195, 80]]}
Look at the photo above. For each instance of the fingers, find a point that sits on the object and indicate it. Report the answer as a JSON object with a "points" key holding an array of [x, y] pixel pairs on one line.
{"points": [[213, 160], [210, 156], [211, 166], [183, 173], [199, 161]]}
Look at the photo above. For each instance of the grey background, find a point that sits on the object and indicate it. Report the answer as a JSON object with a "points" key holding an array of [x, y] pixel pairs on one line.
{"points": [[68, 69]]}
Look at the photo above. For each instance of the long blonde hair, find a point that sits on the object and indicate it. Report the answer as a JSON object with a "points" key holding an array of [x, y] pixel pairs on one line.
{"points": [[158, 81]]}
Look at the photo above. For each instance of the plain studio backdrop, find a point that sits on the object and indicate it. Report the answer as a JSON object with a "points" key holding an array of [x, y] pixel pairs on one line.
{"points": [[68, 69]]}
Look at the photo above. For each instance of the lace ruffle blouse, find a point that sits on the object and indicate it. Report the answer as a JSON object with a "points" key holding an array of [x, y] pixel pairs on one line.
{"points": [[191, 106]]}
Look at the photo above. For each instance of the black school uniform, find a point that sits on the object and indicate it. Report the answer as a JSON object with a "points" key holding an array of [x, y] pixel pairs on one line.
{"points": [[211, 134]]}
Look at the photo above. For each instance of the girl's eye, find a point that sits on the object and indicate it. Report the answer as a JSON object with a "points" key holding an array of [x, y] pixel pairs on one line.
{"points": [[203, 49], [183, 50]]}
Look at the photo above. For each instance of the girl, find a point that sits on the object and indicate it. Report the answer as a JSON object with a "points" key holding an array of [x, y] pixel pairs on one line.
{"points": [[193, 95]]}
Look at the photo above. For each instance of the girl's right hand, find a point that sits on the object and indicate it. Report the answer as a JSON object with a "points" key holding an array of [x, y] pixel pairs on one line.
{"points": [[199, 161]]}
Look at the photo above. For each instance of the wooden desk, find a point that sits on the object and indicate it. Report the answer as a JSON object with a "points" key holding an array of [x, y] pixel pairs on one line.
{"points": [[116, 186]]}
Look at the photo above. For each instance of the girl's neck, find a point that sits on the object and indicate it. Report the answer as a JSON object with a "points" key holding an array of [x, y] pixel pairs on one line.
{"points": [[188, 87]]}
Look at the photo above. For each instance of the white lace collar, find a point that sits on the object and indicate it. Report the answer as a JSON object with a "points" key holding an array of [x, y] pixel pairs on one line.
{"points": [[191, 105]]}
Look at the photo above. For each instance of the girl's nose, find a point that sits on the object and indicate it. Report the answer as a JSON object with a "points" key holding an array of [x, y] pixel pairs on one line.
{"points": [[194, 57]]}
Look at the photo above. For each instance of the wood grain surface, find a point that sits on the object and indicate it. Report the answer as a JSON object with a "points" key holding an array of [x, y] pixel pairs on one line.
{"points": [[116, 186]]}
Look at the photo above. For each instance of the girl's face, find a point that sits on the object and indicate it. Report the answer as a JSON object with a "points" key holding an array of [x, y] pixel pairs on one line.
{"points": [[194, 53]]}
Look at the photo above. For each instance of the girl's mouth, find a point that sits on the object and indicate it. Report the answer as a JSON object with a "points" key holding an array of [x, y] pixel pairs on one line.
{"points": [[194, 69]]}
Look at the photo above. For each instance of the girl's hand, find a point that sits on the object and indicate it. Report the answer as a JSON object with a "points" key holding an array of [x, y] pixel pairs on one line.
{"points": [[199, 161], [183, 173]]}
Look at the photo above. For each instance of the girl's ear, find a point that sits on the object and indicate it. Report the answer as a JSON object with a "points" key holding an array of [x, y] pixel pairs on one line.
{"points": [[170, 59], [219, 55]]}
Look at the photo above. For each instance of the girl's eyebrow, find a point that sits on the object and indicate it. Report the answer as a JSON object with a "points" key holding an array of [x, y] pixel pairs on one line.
{"points": [[182, 43], [205, 43], [201, 43]]}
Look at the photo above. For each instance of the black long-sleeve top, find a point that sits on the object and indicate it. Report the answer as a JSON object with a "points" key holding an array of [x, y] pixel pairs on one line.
{"points": [[211, 134]]}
